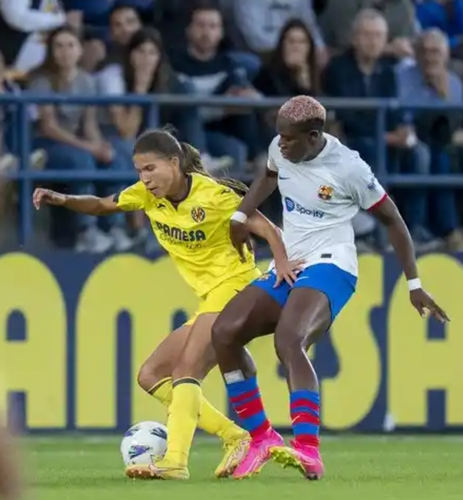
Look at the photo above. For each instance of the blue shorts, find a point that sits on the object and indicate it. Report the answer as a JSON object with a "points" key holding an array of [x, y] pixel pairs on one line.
{"points": [[336, 284]]}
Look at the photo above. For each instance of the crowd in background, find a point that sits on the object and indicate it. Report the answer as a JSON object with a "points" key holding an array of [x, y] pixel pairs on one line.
{"points": [[408, 49]]}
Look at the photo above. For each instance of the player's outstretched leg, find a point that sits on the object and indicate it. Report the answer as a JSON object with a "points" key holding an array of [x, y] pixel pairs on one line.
{"points": [[153, 379], [250, 314], [186, 406], [235, 440], [306, 316]]}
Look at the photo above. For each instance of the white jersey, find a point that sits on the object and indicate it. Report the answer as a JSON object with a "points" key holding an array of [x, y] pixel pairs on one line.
{"points": [[320, 198]]}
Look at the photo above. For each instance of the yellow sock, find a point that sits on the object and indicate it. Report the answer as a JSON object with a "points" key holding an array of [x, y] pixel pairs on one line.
{"points": [[210, 420], [182, 420]]}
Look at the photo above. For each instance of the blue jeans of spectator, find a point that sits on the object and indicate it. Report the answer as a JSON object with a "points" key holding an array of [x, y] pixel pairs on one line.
{"points": [[228, 136], [443, 200], [190, 128], [414, 202], [220, 137], [66, 157]]}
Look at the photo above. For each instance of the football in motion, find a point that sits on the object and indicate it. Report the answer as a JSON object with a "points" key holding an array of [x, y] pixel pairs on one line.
{"points": [[142, 442]]}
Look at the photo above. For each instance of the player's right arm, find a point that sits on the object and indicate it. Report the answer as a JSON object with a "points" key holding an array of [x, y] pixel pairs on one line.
{"points": [[261, 188], [130, 199], [90, 205]]}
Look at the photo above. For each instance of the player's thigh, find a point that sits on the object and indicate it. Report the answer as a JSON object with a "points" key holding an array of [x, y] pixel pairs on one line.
{"points": [[198, 356], [162, 361], [252, 313], [305, 317], [319, 294]]}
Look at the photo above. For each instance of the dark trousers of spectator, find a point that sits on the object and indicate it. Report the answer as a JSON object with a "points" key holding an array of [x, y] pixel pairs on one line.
{"points": [[66, 157], [416, 203], [443, 200], [242, 127]]}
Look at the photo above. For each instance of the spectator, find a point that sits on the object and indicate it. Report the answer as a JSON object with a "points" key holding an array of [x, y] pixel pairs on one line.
{"points": [[94, 19], [447, 15], [22, 27], [171, 18], [124, 21], [430, 81], [207, 69], [292, 68], [363, 72], [8, 162], [70, 134], [259, 22], [146, 70], [338, 17], [8, 145]]}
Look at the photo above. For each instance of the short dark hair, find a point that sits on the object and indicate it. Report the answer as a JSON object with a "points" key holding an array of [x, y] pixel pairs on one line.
{"points": [[121, 6], [200, 5]]}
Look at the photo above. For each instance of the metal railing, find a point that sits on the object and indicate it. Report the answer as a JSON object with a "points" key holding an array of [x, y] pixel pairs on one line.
{"points": [[26, 177]]}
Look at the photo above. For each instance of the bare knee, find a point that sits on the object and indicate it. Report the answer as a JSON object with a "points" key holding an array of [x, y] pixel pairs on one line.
{"points": [[226, 333], [151, 373], [290, 342], [287, 346]]}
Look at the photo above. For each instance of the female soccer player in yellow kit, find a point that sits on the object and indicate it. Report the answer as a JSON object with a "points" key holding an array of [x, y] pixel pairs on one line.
{"points": [[189, 212]]}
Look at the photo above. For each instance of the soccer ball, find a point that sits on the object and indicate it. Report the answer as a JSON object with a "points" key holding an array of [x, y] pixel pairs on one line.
{"points": [[142, 442]]}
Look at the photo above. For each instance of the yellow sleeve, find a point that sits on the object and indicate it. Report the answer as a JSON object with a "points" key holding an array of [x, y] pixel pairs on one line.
{"points": [[228, 201], [132, 198]]}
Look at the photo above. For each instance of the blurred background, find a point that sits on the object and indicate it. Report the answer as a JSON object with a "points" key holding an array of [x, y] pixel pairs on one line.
{"points": [[79, 79]]}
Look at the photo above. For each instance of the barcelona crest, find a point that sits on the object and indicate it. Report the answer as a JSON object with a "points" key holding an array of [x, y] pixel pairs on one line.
{"points": [[325, 192], [198, 214]]}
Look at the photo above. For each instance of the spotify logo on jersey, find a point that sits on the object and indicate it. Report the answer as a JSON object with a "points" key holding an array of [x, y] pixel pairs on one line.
{"points": [[290, 205]]}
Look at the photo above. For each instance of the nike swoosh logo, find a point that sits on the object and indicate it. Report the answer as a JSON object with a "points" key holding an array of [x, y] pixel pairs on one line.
{"points": [[283, 178]]}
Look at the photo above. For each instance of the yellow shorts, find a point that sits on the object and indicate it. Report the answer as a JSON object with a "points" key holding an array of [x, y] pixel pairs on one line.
{"points": [[221, 295]]}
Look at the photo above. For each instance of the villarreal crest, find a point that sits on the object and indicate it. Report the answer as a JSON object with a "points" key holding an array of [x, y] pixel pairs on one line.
{"points": [[198, 214]]}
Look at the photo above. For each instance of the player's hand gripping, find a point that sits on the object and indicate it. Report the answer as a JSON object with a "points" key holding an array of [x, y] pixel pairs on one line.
{"points": [[240, 236], [287, 270], [425, 304], [43, 196]]}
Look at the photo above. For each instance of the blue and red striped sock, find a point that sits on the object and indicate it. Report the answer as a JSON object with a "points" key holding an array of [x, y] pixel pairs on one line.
{"points": [[245, 398], [305, 416]]}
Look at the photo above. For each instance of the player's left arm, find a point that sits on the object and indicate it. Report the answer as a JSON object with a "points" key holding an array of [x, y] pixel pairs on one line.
{"points": [[285, 270], [371, 196]]}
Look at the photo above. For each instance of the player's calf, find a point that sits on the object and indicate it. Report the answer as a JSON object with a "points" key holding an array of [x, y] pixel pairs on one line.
{"points": [[305, 318]]}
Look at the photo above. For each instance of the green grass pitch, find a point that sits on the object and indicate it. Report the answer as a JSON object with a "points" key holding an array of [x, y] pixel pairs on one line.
{"points": [[373, 468]]}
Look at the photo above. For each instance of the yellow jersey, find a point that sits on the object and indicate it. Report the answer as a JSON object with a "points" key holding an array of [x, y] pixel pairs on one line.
{"points": [[194, 232]]}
